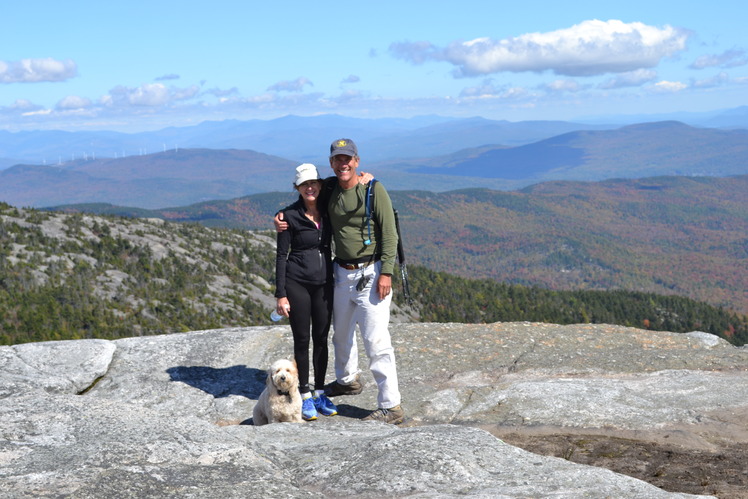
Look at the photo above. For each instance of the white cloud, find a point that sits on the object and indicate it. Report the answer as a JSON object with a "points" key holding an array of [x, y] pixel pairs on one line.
{"points": [[170, 76], [24, 105], [728, 59], [563, 86], [630, 79], [73, 102], [186, 93], [296, 85], [351, 79], [515, 93], [19, 107], [590, 48], [486, 89], [489, 90], [347, 97], [669, 86], [222, 94], [37, 70], [714, 81], [416, 52], [274, 101], [40, 112], [148, 95]]}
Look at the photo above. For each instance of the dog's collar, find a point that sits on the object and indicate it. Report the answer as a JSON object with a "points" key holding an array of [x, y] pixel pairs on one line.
{"points": [[287, 394]]}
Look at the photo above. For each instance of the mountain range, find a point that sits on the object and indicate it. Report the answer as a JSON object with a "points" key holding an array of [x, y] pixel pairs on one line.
{"points": [[183, 176], [172, 178], [304, 139], [656, 207], [633, 151]]}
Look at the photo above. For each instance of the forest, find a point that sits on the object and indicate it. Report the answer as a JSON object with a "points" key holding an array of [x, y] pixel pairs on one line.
{"points": [[442, 297], [671, 235], [75, 276]]}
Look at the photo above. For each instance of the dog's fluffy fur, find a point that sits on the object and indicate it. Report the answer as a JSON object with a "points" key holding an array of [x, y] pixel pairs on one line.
{"points": [[280, 401]]}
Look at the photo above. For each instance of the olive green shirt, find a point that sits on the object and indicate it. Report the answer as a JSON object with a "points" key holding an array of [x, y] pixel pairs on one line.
{"points": [[347, 212]]}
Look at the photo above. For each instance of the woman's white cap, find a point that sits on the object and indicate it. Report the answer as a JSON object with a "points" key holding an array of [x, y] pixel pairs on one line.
{"points": [[305, 172]]}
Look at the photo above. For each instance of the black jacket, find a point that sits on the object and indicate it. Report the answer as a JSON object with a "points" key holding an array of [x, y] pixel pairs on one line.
{"points": [[303, 253]]}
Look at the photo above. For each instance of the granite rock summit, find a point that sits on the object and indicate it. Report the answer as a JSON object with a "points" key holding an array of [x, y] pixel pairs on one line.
{"points": [[170, 416]]}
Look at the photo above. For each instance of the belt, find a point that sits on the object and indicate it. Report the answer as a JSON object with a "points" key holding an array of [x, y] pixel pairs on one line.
{"points": [[354, 265]]}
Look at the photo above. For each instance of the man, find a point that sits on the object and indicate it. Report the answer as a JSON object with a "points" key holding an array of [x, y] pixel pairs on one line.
{"points": [[365, 249]]}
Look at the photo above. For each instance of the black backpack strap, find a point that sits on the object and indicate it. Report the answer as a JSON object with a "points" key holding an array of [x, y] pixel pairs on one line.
{"points": [[400, 249], [369, 208], [401, 257]]}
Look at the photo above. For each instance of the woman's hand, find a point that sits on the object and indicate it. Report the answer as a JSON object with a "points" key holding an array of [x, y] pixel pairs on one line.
{"points": [[283, 307], [365, 177], [280, 224]]}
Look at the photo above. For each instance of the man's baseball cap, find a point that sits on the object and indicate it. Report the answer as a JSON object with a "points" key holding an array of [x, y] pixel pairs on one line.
{"points": [[343, 146]]}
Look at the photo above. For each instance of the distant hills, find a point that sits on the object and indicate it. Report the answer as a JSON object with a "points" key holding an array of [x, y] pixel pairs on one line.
{"points": [[655, 207], [650, 149], [171, 178], [300, 139], [183, 176], [304, 139]]}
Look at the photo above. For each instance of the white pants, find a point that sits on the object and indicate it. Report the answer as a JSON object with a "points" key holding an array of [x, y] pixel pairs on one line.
{"points": [[351, 307]]}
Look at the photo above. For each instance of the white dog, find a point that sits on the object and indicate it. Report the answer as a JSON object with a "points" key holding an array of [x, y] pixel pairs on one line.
{"points": [[280, 401]]}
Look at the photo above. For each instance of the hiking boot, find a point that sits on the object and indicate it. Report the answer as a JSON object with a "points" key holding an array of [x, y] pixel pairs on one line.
{"points": [[393, 415], [308, 411], [324, 406], [336, 389]]}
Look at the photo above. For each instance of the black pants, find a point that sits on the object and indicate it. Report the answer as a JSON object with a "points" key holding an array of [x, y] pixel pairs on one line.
{"points": [[311, 304]]}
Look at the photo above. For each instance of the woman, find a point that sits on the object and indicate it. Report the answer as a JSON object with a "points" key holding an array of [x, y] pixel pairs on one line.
{"points": [[304, 287]]}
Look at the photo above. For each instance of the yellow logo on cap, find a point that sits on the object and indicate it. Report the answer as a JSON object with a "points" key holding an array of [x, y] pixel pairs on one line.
{"points": [[341, 143]]}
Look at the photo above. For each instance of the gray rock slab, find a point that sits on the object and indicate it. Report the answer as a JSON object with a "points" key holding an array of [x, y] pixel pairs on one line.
{"points": [[627, 401], [57, 446], [54, 366], [78, 446], [167, 416], [216, 374]]}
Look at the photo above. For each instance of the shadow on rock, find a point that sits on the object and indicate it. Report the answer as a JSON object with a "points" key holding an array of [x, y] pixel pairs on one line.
{"points": [[351, 411], [222, 382], [344, 411]]}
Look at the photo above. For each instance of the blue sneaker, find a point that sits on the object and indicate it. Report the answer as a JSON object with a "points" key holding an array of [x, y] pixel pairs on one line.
{"points": [[308, 409], [324, 406]]}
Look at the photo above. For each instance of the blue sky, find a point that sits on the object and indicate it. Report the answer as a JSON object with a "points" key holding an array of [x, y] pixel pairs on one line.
{"points": [[136, 65]]}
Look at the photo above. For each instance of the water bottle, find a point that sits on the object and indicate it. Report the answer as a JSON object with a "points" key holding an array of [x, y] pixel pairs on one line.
{"points": [[275, 316]]}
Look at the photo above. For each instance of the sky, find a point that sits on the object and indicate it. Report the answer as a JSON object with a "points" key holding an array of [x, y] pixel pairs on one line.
{"points": [[133, 65]]}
